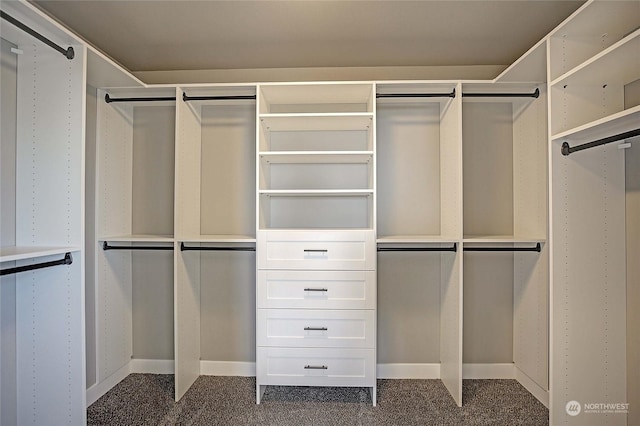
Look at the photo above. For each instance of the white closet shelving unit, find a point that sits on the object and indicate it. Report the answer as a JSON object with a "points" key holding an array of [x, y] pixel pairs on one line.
{"points": [[42, 349], [593, 62], [419, 208], [316, 321], [135, 153], [215, 207]]}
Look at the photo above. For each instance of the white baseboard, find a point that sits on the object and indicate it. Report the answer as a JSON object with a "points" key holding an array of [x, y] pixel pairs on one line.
{"points": [[488, 371], [534, 389], [152, 366], [96, 391], [408, 371], [227, 368]]}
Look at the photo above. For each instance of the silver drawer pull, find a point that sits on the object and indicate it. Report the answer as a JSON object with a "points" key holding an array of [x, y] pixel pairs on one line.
{"points": [[315, 329], [315, 250], [315, 367], [316, 289]]}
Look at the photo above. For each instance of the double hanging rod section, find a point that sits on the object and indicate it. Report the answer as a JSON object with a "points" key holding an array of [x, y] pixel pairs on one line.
{"points": [[68, 53], [67, 260]]}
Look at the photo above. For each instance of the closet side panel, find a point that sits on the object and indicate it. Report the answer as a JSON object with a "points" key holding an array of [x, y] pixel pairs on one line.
{"points": [[451, 323], [114, 153], [451, 167], [531, 289], [50, 343], [589, 283], [632, 168], [188, 167], [8, 378]]}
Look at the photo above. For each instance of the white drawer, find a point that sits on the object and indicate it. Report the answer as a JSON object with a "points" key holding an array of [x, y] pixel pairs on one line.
{"points": [[324, 250], [316, 367], [316, 328], [317, 289]]}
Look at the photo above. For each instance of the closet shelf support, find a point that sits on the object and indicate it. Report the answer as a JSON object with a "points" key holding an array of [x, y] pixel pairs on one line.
{"points": [[453, 248], [186, 248], [566, 149], [106, 246], [108, 99], [67, 260], [68, 53], [187, 98], [535, 94], [417, 95], [537, 248]]}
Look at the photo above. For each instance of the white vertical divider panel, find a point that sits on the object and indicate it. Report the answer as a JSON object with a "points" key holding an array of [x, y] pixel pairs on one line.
{"points": [[588, 283], [451, 263], [50, 331], [187, 264], [114, 154], [531, 290]]}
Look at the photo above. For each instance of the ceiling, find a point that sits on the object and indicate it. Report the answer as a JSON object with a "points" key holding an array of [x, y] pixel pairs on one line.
{"points": [[197, 35]]}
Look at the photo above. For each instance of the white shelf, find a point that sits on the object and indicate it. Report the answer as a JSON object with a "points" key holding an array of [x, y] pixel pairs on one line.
{"points": [[13, 253], [415, 239], [317, 122], [501, 239], [317, 193], [317, 157], [619, 122], [619, 64], [218, 239], [138, 238]]}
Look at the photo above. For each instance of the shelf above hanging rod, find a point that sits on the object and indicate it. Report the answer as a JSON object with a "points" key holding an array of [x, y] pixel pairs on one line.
{"points": [[537, 248], [566, 149], [417, 95], [187, 98], [67, 260], [67, 53], [535, 94], [106, 246], [108, 99], [453, 248], [185, 248]]}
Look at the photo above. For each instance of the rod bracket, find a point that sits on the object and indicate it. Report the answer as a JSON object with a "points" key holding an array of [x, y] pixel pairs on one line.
{"points": [[566, 149]]}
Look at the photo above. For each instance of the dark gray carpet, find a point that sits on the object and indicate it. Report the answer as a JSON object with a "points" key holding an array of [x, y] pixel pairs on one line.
{"points": [[147, 399]]}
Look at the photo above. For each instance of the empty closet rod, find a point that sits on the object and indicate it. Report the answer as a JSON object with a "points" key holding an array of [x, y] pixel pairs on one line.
{"points": [[566, 149], [187, 98], [106, 246], [108, 99], [537, 248], [535, 94], [68, 260], [68, 52], [185, 248], [454, 247], [417, 95]]}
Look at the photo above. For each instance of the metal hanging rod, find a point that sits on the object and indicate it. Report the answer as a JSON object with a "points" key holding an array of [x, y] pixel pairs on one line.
{"points": [[68, 260], [187, 98], [67, 53], [566, 149], [417, 95], [108, 99], [454, 248], [537, 248], [185, 248], [535, 94], [106, 246]]}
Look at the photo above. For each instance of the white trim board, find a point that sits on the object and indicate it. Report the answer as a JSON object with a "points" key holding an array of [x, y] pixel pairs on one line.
{"points": [[534, 389], [152, 366], [488, 371], [227, 368], [408, 371], [96, 391]]}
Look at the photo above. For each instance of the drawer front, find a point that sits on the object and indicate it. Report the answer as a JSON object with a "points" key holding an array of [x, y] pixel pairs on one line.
{"points": [[316, 289], [316, 328], [316, 367], [316, 250]]}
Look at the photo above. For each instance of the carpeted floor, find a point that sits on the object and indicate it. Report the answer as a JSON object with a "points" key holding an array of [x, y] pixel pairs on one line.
{"points": [[147, 399]]}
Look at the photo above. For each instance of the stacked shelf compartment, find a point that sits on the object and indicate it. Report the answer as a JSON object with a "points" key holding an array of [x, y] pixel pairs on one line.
{"points": [[316, 164]]}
